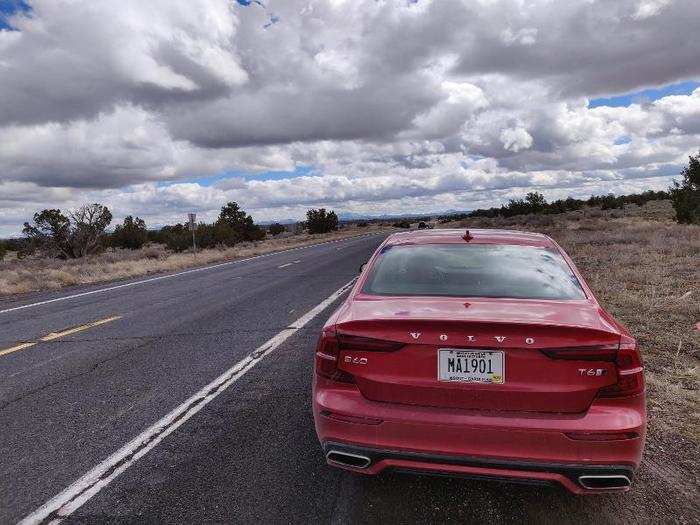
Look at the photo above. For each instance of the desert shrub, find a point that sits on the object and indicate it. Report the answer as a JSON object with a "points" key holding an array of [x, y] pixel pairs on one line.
{"points": [[50, 233], [610, 202], [177, 237], [537, 221], [3, 250], [154, 251], [240, 223], [80, 234], [535, 203], [217, 234], [595, 213], [18, 245], [88, 229], [131, 234], [321, 221], [563, 206], [233, 226], [402, 224], [685, 194], [591, 224], [276, 228]]}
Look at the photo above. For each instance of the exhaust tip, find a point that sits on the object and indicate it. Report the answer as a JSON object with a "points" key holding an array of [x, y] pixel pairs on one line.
{"points": [[605, 482], [346, 459]]}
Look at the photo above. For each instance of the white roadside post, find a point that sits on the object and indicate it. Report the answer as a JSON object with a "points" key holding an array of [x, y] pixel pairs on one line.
{"points": [[193, 226]]}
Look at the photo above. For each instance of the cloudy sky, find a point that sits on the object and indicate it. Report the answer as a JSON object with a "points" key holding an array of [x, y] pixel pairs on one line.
{"points": [[162, 107]]}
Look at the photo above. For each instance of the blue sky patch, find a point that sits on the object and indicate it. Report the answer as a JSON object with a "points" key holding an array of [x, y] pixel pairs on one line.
{"points": [[300, 171], [646, 95], [8, 8]]}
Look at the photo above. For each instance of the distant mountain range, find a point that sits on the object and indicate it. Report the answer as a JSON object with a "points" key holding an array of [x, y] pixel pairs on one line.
{"points": [[348, 216], [351, 217]]}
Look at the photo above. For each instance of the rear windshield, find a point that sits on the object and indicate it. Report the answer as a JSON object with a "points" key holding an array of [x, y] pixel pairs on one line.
{"points": [[473, 270]]}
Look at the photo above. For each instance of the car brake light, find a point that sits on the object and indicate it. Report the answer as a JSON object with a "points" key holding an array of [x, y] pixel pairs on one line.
{"points": [[330, 345], [630, 372], [367, 344], [583, 353], [628, 364], [327, 354]]}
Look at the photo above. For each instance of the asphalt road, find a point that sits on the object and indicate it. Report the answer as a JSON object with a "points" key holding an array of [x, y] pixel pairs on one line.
{"points": [[250, 455]]}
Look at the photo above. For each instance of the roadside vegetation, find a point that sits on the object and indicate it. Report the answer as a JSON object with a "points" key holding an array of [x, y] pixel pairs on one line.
{"points": [[321, 221], [276, 228], [59, 250], [31, 274], [55, 235], [686, 193], [84, 232]]}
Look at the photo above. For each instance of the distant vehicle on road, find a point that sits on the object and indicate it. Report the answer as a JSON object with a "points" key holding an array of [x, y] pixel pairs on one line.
{"points": [[481, 354]]}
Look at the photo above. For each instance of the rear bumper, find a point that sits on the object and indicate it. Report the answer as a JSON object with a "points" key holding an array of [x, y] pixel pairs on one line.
{"points": [[579, 479], [534, 448]]}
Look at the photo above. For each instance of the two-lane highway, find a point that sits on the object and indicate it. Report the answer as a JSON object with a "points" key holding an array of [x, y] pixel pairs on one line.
{"points": [[85, 374]]}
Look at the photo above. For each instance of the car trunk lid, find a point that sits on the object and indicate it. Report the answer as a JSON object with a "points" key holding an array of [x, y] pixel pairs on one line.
{"points": [[512, 334]]}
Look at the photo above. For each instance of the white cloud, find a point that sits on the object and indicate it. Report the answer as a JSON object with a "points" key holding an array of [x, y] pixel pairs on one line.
{"points": [[649, 8], [525, 36], [392, 105], [516, 139]]}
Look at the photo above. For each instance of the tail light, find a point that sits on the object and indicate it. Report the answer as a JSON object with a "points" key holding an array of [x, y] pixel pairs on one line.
{"points": [[367, 344], [628, 364], [330, 345], [630, 372], [327, 355], [583, 353]]}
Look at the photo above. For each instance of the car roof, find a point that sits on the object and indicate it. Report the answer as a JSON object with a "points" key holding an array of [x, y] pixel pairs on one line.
{"points": [[477, 236]]}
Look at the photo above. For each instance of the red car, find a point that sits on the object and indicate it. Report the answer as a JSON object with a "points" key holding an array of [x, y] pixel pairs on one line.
{"points": [[481, 354]]}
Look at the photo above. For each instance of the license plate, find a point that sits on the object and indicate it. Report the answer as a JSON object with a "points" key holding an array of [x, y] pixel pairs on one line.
{"points": [[470, 366]]}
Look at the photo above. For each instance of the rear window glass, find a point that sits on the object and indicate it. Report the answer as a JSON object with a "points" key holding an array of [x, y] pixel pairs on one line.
{"points": [[473, 270]]}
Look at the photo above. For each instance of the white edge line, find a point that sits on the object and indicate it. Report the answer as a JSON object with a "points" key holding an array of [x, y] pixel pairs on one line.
{"points": [[170, 275], [70, 499]]}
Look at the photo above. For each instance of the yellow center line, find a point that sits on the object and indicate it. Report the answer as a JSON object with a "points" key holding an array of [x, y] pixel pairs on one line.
{"points": [[56, 335], [16, 348], [69, 331]]}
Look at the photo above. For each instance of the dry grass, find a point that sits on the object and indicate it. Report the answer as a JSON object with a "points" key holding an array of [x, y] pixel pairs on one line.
{"points": [[28, 275], [645, 270]]}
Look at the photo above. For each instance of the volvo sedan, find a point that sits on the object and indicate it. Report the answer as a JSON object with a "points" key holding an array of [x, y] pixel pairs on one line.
{"points": [[482, 354]]}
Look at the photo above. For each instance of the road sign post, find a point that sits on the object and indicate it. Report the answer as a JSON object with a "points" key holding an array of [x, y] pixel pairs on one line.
{"points": [[193, 226]]}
